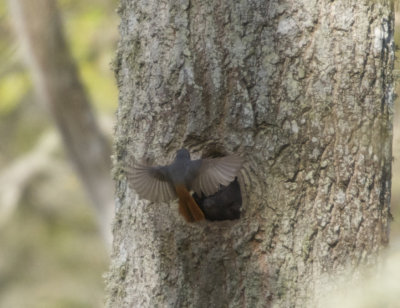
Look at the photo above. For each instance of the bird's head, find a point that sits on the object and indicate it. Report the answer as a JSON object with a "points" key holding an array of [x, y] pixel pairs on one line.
{"points": [[182, 154]]}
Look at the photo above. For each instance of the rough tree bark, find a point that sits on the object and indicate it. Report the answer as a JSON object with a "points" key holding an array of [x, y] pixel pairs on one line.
{"points": [[303, 89], [56, 78]]}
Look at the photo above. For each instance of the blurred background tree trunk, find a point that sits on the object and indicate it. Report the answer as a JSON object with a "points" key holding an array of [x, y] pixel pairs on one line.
{"points": [[56, 78], [303, 90]]}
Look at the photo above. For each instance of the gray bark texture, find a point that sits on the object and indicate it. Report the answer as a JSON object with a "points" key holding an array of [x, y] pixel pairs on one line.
{"points": [[303, 90]]}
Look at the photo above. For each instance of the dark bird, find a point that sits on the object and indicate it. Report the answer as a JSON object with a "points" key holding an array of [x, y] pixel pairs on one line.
{"points": [[225, 204], [165, 183]]}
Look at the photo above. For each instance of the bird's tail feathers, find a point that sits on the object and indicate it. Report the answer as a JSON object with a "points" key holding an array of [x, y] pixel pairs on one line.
{"points": [[188, 208]]}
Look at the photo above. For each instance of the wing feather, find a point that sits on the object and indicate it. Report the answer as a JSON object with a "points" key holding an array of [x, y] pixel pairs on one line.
{"points": [[214, 172], [150, 183]]}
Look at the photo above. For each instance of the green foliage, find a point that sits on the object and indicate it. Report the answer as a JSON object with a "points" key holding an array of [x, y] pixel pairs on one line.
{"points": [[14, 81], [12, 90], [51, 253], [91, 31]]}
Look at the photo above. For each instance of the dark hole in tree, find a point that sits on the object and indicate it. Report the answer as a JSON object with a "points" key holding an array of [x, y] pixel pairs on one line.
{"points": [[225, 204]]}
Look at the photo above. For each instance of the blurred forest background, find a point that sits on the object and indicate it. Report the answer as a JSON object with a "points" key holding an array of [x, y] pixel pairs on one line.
{"points": [[51, 251]]}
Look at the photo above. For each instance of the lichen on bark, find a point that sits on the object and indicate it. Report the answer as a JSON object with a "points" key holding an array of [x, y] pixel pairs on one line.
{"points": [[303, 90]]}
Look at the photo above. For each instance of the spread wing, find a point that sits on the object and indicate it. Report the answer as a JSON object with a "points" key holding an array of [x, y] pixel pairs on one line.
{"points": [[151, 183], [214, 172]]}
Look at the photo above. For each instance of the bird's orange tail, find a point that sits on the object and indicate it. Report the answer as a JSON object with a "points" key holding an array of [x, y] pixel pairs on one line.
{"points": [[188, 208]]}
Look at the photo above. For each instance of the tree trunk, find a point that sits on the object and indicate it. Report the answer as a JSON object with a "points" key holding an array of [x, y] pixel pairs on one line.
{"points": [[56, 79], [303, 90]]}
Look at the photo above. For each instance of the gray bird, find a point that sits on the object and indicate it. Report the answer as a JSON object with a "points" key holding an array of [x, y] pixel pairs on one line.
{"points": [[165, 183]]}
